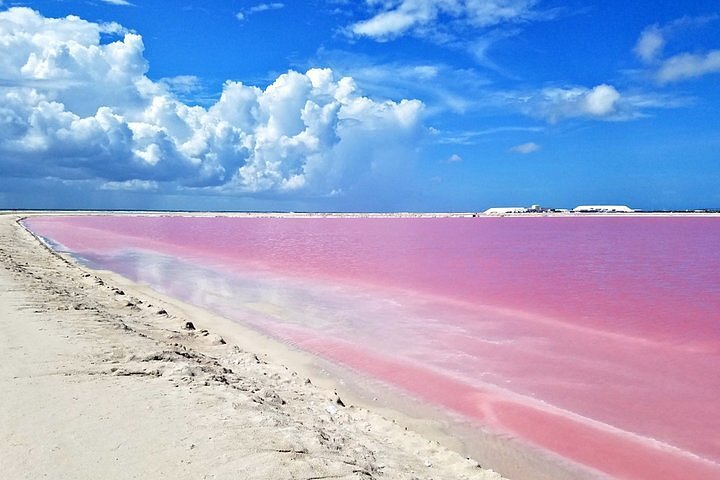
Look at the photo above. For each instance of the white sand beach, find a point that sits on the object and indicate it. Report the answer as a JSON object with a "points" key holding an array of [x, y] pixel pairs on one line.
{"points": [[101, 379]]}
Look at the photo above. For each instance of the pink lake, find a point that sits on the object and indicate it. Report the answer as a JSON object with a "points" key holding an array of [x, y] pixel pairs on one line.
{"points": [[594, 338]]}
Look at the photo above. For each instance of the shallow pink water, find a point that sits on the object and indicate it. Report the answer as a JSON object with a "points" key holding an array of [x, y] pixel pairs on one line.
{"points": [[595, 338]]}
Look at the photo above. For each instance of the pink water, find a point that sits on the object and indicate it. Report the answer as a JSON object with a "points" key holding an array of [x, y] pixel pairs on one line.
{"points": [[597, 339]]}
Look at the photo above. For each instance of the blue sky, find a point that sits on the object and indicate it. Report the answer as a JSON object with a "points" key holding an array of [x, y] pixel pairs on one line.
{"points": [[382, 105]]}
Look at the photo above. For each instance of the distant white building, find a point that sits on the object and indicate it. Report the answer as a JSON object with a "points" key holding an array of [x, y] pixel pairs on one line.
{"points": [[505, 210], [603, 209]]}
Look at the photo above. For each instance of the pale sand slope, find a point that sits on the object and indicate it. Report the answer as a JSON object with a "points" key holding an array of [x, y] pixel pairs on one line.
{"points": [[96, 384]]}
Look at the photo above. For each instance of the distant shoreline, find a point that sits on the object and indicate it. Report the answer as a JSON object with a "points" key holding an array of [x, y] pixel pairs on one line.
{"points": [[364, 214]]}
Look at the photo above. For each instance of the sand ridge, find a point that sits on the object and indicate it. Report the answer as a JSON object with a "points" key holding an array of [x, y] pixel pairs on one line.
{"points": [[102, 382]]}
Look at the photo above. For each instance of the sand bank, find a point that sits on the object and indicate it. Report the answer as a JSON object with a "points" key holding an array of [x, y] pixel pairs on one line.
{"points": [[101, 379]]}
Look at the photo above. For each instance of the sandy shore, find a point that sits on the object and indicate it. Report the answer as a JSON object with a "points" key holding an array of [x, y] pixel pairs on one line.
{"points": [[100, 379]]}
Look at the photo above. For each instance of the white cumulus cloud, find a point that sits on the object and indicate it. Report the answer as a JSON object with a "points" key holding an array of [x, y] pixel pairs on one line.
{"points": [[396, 18], [553, 104], [73, 106], [600, 101]]}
